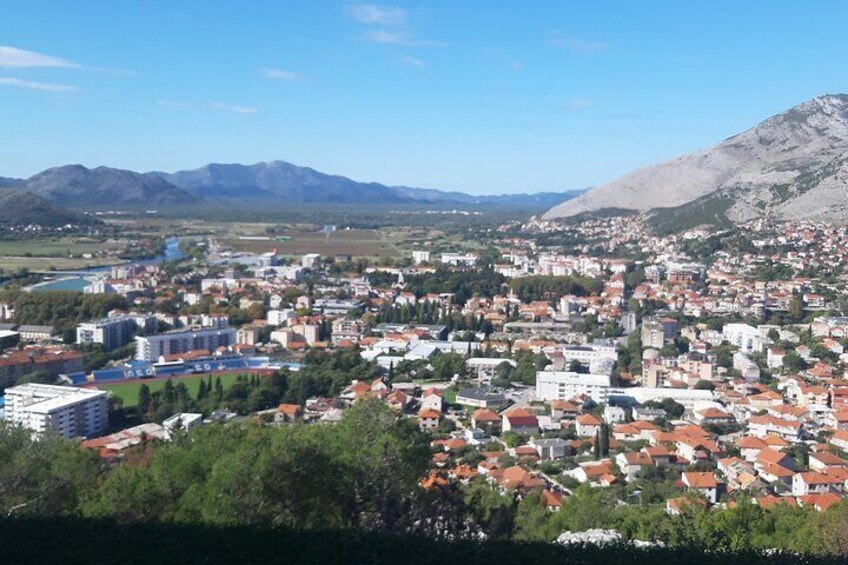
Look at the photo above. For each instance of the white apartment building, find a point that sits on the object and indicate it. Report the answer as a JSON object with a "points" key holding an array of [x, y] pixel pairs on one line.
{"points": [[115, 331], [599, 358], [747, 338], [419, 257], [459, 259], [279, 317], [68, 411], [152, 347], [564, 385]]}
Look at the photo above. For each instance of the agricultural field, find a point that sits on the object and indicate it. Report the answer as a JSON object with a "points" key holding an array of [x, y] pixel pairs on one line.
{"points": [[356, 243], [58, 253], [54, 247], [128, 391]]}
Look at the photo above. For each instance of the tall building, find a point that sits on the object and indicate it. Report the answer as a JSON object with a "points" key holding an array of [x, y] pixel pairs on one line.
{"points": [[115, 331], [150, 348], [68, 411], [656, 331]]}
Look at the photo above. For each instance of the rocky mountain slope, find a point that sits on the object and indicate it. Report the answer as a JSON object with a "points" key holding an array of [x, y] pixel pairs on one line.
{"points": [[793, 165], [77, 186]]}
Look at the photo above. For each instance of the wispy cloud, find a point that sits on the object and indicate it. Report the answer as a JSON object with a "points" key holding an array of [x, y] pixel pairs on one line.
{"points": [[12, 57], [279, 74], [173, 103], [412, 62], [579, 104], [33, 85], [233, 108], [576, 45], [400, 38], [389, 25], [372, 14]]}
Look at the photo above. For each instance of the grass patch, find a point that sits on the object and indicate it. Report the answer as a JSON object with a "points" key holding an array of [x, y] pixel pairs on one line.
{"points": [[128, 391]]}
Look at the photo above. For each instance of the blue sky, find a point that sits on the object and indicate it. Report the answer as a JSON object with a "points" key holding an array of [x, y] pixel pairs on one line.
{"points": [[479, 96]]}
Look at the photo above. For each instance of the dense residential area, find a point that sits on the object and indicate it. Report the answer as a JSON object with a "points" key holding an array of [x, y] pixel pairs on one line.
{"points": [[570, 380]]}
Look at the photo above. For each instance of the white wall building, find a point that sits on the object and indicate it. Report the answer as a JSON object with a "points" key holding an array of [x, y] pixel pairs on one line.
{"points": [[151, 348], [280, 317], [599, 358], [459, 259], [747, 338], [184, 421], [563, 385], [114, 332], [69, 411]]}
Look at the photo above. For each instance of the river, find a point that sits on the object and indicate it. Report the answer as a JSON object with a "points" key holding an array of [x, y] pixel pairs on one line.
{"points": [[172, 253]]}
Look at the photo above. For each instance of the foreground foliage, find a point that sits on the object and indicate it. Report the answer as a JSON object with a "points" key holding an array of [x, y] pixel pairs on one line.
{"points": [[361, 475]]}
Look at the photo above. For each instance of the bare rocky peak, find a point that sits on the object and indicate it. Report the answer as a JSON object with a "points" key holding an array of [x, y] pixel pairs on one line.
{"points": [[785, 164]]}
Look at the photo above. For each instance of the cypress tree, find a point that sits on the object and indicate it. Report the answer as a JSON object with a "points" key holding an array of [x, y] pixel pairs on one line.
{"points": [[143, 399]]}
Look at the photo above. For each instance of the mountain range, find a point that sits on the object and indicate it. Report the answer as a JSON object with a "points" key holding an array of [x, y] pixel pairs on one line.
{"points": [[268, 184], [19, 209], [793, 165]]}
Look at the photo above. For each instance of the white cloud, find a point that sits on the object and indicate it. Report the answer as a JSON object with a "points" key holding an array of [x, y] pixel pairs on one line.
{"points": [[281, 75], [371, 14], [32, 85], [400, 38], [233, 108], [12, 57], [579, 103], [412, 62], [173, 103], [579, 45]]}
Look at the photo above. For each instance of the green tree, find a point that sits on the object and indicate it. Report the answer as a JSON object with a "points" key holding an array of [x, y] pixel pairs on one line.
{"points": [[143, 399]]}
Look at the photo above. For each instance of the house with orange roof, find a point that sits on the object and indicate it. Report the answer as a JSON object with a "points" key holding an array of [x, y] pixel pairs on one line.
{"points": [[824, 459], [634, 431], [520, 421], [288, 413], [819, 502], [398, 400], [355, 391], [812, 482], [750, 447], [562, 409], [712, 415], [428, 420], [704, 484], [631, 463], [588, 425], [676, 506], [695, 449], [762, 426], [485, 419], [770, 501], [515, 477], [463, 473], [593, 472], [552, 500], [431, 399]]}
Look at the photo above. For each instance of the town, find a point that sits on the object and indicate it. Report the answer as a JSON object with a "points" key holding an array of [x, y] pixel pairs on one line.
{"points": [[684, 373]]}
